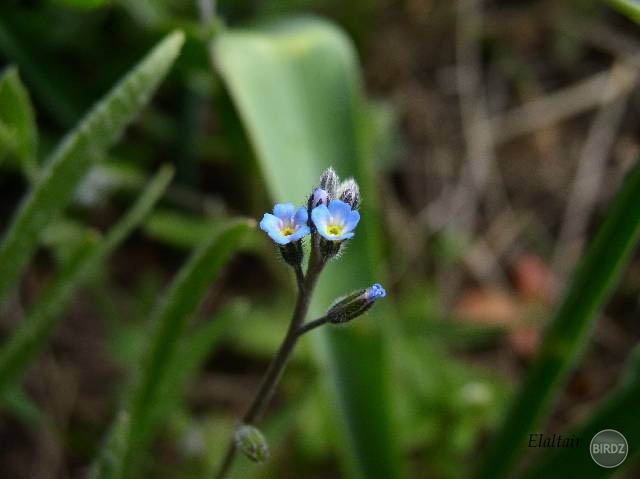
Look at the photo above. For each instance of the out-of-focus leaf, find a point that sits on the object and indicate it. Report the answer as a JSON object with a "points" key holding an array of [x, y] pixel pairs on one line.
{"points": [[170, 320], [23, 345], [296, 85], [569, 330], [57, 100], [193, 350], [615, 413], [17, 118], [31, 336], [17, 403], [102, 127], [629, 8], [114, 449], [83, 4], [177, 229]]}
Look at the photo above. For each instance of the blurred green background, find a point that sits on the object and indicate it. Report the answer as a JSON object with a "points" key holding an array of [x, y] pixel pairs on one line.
{"points": [[489, 139]]}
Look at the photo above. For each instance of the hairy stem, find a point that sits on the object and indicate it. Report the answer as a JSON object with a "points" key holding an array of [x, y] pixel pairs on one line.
{"points": [[274, 372]]}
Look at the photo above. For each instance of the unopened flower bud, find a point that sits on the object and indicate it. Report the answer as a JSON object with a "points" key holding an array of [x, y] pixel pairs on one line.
{"points": [[355, 304], [318, 197], [329, 182], [252, 443], [349, 192], [292, 253]]}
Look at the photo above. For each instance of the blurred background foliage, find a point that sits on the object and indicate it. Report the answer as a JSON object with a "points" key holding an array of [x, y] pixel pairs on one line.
{"points": [[489, 139]]}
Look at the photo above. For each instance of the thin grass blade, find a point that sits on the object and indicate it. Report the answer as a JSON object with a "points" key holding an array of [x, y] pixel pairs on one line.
{"points": [[569, 330], [616, 412], [170, 320], [31, 337], [18, 120], [84, 146]]}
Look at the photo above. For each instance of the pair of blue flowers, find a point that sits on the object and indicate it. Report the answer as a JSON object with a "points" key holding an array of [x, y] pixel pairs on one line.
{"points": [[330, 217], [334, 222]]}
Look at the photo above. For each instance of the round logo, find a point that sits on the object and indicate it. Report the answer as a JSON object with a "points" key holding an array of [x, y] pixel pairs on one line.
{"points": [[608, 448]]}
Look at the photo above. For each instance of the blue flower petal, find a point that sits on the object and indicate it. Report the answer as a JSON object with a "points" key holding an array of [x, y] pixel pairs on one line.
{"points": [[320, 216], [301, 216], [345, 236], [269, 223], [375, 292], [339, 209], [352, 220], [300, 233], [284, 210], [279, 237]]}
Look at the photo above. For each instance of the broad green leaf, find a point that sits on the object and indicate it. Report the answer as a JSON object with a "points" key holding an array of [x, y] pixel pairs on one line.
{"points": [[630, 8], [18, 119], [170, 320], [617, 412], [569, 330], [297, 88], [102, 127], [32, 335]]}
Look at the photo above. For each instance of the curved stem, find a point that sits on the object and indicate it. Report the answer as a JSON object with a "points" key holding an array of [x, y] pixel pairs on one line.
{"points": [[305, 328], [277, 365]]}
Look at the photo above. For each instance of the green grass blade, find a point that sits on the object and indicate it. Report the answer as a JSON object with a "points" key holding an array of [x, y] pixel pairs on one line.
{"points": [[16, 403], [170, 320], [569, 330], [16, 115], [32, 335], [36, 328], [193, 350], [110, 463], [102, 127], [617, 412], [296, 85]]}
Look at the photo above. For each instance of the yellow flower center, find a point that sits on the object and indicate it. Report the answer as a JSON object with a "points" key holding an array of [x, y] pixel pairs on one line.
{"points": [[334, 230], [288, 230]]}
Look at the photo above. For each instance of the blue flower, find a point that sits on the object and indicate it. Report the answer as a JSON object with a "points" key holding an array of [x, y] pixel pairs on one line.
{"points": [[285, 224], [375, 292], [335, 222]]}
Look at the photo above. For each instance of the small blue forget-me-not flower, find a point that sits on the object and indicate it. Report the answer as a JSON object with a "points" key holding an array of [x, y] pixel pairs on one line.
{"points": [[286, 224], [335, 222], [375, 292]]}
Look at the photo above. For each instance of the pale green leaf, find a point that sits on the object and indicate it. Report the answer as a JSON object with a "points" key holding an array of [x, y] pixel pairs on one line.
{"points": [[297, 88]]}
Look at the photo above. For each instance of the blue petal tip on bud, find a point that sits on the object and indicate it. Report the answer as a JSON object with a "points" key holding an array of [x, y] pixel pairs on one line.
{"points": [[375, 292]]}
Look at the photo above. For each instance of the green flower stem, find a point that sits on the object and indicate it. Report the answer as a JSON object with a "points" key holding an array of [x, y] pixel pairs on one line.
{"points": [[272, 377], [305, 328]]}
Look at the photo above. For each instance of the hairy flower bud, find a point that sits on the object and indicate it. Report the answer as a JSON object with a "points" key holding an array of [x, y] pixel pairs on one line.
{"points": [[252, 443], [349, 192], [292, 253], [318, 197], [356, 304], [329, 182]]}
